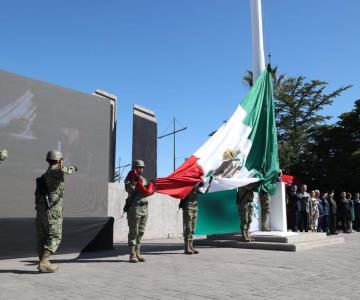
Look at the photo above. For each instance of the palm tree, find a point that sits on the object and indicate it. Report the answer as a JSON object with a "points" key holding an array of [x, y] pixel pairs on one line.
{"points": [[248, 78]]}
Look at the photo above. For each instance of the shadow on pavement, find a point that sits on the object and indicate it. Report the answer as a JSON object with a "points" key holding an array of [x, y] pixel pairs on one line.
{"points": [[118, 250], [19, 272]]}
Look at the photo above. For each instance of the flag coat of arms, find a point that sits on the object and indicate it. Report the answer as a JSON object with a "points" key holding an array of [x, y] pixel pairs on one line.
{"points": [[242, 151]]}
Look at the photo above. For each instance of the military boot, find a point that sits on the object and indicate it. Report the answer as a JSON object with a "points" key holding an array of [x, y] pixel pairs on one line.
{"points": [[263, 223], [191, 244], [245, 238], [265, 228], [133, 257], [45, 266], [249, 237], [138, 254], [187, 247]]}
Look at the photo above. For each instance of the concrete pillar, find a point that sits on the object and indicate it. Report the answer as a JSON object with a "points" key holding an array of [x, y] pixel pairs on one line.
{"points": [[144, 144]]}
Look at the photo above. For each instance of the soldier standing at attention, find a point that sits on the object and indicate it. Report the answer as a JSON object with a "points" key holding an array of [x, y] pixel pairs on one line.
{"points": [[49, 209], [3, 154], [245, 198], [136, 207], [189, 206]]}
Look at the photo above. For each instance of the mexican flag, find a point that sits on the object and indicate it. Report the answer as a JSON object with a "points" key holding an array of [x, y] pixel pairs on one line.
{"points": [[244, 150]]}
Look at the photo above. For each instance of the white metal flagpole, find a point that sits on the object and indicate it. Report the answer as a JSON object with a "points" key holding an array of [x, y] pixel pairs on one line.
{"points": [[257, 39]]}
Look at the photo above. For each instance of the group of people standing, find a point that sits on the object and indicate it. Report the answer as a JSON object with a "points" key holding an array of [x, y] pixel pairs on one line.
{"points": [[322, 212]]}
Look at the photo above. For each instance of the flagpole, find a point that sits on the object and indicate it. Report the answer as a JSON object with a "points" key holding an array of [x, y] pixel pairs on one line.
{"points": [[257, 39]]}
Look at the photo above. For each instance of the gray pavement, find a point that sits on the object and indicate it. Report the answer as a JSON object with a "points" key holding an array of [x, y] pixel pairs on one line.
{"points": [[216, 273]]}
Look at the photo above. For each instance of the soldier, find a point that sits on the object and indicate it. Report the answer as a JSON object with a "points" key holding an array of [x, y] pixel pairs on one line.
{"points": [[189, 206], [136, 207], [49, 209], [245, 198], [3, 154]]}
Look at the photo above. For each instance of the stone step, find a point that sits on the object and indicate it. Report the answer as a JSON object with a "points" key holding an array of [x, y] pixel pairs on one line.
{"points": [[308, 236], [245, 245], [299, 242]]}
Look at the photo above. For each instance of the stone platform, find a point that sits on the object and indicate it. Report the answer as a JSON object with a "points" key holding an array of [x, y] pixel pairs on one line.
{"points": [[273, 240]]}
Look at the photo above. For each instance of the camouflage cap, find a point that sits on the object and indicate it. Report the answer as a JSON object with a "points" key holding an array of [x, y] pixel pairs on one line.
{"points": [[3, 154], [138, 163], [54, 155]]}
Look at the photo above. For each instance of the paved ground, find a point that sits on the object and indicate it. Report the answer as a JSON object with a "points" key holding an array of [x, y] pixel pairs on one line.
{"points": [[322, 273]]}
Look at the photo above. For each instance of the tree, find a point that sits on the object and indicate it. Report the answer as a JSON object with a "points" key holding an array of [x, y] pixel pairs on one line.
{"points": [[333, 161], [298, 106]]}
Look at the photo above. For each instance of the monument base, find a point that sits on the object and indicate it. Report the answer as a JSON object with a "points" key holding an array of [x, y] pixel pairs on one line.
{"points": [[272, 240]]}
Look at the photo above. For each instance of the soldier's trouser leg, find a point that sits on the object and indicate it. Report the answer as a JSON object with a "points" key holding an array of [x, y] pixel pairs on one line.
{"points": [[134, 218], [49, 228], [189, 223], [142, 220], [265, 209], [137, 218], [187, 229], [133, 226], [41, 234], [55, 230], [193, 226], [245, 212], [245, 197]]}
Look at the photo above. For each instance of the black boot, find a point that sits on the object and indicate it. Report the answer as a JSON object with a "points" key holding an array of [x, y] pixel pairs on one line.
{"points": [[187, 247], [191, 244]]}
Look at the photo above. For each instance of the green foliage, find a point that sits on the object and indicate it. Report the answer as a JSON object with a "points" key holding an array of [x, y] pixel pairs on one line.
{"points": [[298, 106], [334, 156]]}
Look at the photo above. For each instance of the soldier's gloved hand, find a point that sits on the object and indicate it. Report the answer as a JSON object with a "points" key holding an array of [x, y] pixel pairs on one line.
{"points": [[76, 168]]}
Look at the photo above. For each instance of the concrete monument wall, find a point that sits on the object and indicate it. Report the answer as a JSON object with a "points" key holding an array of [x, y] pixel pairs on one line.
{"points": [[165, 218], [145, 139]]}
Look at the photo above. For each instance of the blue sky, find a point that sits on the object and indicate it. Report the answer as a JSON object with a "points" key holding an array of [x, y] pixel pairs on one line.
{"points": [[182, 59]]}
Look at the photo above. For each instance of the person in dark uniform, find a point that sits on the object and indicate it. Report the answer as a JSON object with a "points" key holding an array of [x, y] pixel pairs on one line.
{"points": [[333, 213], [293, 204], [345, 213]]}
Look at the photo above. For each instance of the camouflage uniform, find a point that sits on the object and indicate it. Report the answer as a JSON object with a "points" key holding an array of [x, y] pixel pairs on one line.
{"points": [[49, 221], [265, 200], [189, 206], [3, 154], [245, 198], [137, 213]]}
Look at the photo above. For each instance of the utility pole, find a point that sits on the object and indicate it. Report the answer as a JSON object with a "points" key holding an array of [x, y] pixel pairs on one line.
{"points": [[174, 132]]}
